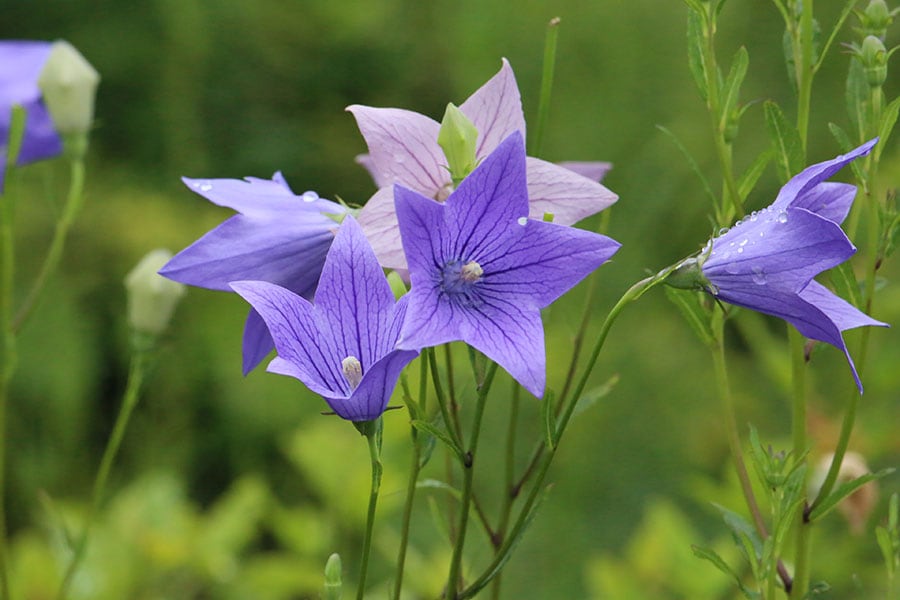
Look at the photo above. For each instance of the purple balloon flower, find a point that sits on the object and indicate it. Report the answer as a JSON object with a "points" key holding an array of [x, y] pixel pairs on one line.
{"points": [[481, 270], [21, 63], [768, 260], [276, 236], [403, 149], [342, 346]]}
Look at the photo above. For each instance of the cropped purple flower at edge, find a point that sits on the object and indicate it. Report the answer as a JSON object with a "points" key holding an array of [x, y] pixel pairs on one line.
{"points": [[403, 149], [342, 346], [277, 236], [768, 260], [21, 63], [481, 270]]}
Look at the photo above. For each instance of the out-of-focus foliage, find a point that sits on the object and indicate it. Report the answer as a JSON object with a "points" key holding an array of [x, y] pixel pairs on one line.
{"points": [[231, 487]]}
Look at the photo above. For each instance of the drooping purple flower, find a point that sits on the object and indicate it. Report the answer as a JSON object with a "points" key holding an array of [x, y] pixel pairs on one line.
{"points": [[277, 236], [21, 63], [767, 261], [342, 345], [481, 270], [403, 149]]}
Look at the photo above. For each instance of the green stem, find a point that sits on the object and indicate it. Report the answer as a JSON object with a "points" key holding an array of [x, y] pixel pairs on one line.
{"points": [[441, 399], [372, 432], [537, 136], [9, 346], [800, 585], [804, 71], [73, 205], [453, 577], [509, 491], [140, 353]]}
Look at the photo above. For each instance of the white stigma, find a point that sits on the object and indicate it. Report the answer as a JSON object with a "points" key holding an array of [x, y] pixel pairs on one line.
{"points": [[352, 370], [471, 272]]}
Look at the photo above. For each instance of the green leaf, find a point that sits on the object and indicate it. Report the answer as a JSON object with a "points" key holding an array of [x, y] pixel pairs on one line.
{"points": [[886, 127], [712, 556], [747, 181], [440, 434], [692, 163], [785, 141], [697, 316], [886, 545], [846, 145], [857, 97], [732, 86], [436, 484], [817, 589], [845, 284], [549, 417], [696, 42], [842, 491], [591, 397], [427, 444], [741, 528]]}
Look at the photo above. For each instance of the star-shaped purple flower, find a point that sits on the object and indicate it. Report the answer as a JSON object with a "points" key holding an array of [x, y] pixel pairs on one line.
{"points": [[276, 236], [342, 346], [768, 260], [21, 63], [481, 270], [403, 149]]}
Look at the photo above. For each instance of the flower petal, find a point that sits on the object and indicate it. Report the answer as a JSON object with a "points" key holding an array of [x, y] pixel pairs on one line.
{"points": [[546, 262], [496, 110], [817, 173], [371, 397], [298, 336], [256, 343], [829, 199], [354, 298], [366, 162], [776, 250], [569, 197], [845, 315], [593, 170], [378, 220], [403, 147], [260, 197]]}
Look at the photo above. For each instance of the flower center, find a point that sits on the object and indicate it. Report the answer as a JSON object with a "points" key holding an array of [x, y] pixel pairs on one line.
{"points": [[352, 370], [458, 280]]}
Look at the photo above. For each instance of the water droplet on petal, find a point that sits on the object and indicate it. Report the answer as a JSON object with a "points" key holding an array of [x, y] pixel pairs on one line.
{"points": [[732, 268], [310, 196], [740, 250], [399, 159], [723, 231], [522, 221], [205, 187], [744, 242], [782, 217], [759, 276]]}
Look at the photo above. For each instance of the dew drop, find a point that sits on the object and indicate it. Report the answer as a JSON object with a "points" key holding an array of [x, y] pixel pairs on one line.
{"points": [[205, 187], [310, 196], [759, 276], [744, 242], [723, 231], [732, 268], [399, 159], [782, 217], [740, 250], [522, 221]]}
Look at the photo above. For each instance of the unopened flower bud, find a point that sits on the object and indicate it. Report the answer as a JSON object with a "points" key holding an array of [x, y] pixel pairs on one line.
{"points": [[458, 137], [68, 83], [876, 18], [151, 297], [873, 56], [333, 581]]}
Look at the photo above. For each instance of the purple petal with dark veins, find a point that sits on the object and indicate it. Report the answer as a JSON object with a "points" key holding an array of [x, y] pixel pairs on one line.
{"points": [[828, 199]]}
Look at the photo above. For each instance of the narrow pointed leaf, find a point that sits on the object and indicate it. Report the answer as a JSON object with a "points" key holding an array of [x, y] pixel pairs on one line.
{"points": [[846, 145], [696, 316], [748, 179], [845, 284], [886, 127], [591, 397], [741, 528], [695, 47], [436, 484], [548, 416], [886, 546], [693, 164], [857, 98], [713, 557], [440, 434], [842, 491], [785, 141], [733, 81]]}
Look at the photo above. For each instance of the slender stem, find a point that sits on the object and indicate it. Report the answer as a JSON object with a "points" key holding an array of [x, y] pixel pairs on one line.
{"points": [[140, 354], [372, 434], [451, 391], [537, 137], [73, 205], [510, 491], [453, 577], [800, 584], [441, 399], [804, 70], [9, 346]]}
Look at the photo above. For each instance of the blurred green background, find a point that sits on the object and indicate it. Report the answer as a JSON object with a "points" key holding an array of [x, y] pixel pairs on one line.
{"points": [[232, 487]]}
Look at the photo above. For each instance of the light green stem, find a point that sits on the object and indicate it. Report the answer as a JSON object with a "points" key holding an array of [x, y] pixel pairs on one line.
{"points": [[140, 354], [800, 585], [537, 136], [509, 491], [453, 577], [372, 435]]}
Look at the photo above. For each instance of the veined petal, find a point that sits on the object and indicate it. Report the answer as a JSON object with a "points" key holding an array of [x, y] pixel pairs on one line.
{"points": [[371, 397], [256, 343], [488, 202], [546, 262], [510, 333], [378, 219], [593, 170], [431, 318], [298, 336], [778, 250], [496, 110], [569, 197], [817, 173], [354, 298], [829, 199], [366, 162], [845, 315], [403, 147], [288, 251], [255, 197]]}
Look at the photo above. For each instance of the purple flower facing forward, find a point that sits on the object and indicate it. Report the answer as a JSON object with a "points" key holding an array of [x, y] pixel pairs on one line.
{"points": [[768, 260], [277, 237], [403, 149], [21, 63], [481, 270], [342, 346]]}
